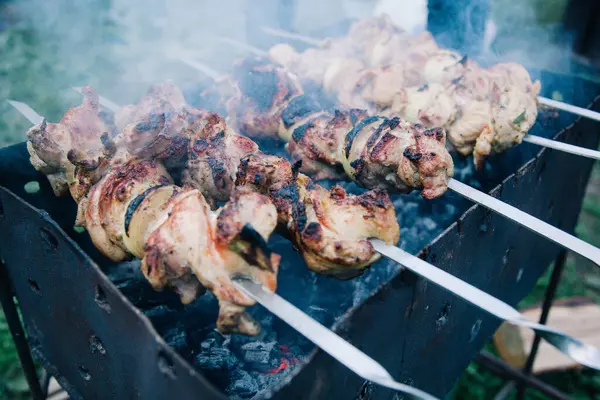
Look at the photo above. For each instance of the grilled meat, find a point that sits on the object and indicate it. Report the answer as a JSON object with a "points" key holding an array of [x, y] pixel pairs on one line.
{"points": [[133, 209], [330, 228], [483, 110], [159, 99], [221, 161], [322, 140], [71, 152], [214, 155], [264, 90]]}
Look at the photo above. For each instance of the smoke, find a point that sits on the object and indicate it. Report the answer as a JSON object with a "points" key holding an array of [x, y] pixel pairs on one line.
{"points": [[122, 46]]}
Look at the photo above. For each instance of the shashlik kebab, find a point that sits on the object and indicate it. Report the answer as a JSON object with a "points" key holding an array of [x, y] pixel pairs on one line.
{"points": [[315, 219], [263, 100], [329, 145], [485, 111], [130, 207], [182, 214], [267, 172]]}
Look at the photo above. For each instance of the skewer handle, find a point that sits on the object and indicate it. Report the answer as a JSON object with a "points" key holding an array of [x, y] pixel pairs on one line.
{"points": [[334, 345], [536, 225], [567, 148], [574, 348], [584, 112]]}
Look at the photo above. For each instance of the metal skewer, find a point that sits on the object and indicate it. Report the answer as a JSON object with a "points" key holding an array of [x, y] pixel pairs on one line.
{"points": [[584, 112], [574, 348], [542, 228], [290, 35], [565, 147], [334, 345], [577, 350], [536, 225], [27, 112]]}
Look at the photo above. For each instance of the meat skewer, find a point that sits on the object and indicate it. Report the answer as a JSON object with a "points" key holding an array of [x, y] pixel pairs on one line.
{"points": [[130, 207], [308, 144], [255, 289], [456, 138], [254, 162], [583, 112]]}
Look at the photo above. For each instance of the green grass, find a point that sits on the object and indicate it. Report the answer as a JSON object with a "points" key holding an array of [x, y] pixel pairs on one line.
{"points": [[12, 382]]}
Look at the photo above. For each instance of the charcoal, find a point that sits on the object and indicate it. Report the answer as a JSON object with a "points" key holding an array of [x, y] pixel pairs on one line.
{"points": [[243, 385], [261, 356]]}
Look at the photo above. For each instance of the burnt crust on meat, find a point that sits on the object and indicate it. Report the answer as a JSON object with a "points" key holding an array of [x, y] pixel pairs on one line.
{"points": [[330, 228]]}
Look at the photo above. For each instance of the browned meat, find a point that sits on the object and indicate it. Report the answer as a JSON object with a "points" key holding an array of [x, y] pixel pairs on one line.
{"points": [[329, 144], [317, 142], [394, 155], [160, 98], [263, 92], [70, 152], [214, 155], [183, 245], [134, 210], [330, 228]]}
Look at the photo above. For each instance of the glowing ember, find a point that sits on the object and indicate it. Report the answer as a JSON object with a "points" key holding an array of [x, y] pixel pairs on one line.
{"points": [[284, 363]]}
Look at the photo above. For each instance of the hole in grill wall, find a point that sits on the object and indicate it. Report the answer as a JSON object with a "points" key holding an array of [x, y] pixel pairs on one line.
{"points": [[100, 299], [34, 286], [84, 373], [96, 345], [49, 239], [165, 365]]}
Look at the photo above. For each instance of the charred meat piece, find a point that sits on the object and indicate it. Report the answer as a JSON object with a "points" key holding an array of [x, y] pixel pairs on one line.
{"points": [[159, 99], [394, 155], [71, 152], [263, 92], [330, 228], [133, 209], [317, 142], [214, 155], [212, 246]]}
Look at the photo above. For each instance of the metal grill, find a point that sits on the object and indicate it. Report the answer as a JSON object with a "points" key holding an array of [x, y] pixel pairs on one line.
{"points": [[93, 338]]}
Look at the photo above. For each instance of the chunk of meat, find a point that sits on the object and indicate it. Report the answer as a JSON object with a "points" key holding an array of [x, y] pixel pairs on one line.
{"points": [[70, 152], [432, 105], [391, 154], [264, 90], [214, 155], [213, 247], [158, 99], [330, 228]]}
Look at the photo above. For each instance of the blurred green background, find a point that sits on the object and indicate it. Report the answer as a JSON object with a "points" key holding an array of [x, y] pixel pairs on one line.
{"points": [[38, 75]]}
